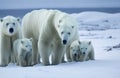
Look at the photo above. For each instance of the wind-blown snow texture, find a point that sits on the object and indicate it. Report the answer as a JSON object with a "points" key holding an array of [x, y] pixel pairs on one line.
{"points": [[98, 20], [105, 37]]}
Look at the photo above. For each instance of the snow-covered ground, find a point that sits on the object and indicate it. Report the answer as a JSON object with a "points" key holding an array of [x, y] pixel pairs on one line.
{"points": [[97, 20], [105, 37]]}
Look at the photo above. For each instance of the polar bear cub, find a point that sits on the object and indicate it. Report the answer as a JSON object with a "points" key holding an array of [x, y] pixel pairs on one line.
{"points": [[74, 51], [82, 51], [23, 51], [86, 51]]}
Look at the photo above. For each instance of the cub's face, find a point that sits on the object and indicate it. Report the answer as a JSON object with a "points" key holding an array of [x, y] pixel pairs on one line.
{"points": [[26, 44], [75, 52], [84, 47], [65, 30], [10, 25]]}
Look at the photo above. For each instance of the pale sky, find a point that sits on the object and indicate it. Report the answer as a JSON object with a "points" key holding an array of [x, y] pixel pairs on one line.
{"points": [[19, 4]]}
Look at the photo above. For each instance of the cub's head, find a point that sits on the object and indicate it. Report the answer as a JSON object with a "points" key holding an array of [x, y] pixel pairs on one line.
{"points": [[75, 51], [26, 44], [66, 28], [84, 46], [10, 25]]}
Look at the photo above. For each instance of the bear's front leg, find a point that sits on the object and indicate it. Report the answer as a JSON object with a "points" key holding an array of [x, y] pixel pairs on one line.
{"points": [[35, 53], [91, 55], [17, 60], [22, 61], [5, 59], [12, 58], [58, 54], [85, 57], [69, 59], [43, 49]]}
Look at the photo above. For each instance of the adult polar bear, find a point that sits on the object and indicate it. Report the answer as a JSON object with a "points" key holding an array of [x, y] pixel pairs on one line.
{"points": [[51, 30], [9, 32]]}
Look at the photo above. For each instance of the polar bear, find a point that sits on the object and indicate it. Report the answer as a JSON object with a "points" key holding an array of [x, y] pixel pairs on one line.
{"points": [[82, 51], [10, 31], [52, 31], [74, 51], [23, 51], [86, 51]]}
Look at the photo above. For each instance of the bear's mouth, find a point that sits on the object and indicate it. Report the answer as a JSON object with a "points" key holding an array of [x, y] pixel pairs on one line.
{"points": [[11, 30], [76, 57]]}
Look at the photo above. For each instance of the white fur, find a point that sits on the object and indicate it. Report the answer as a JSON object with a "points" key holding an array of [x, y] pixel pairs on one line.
{"points": [[46, 27], [87, 48], [75, 51], [10, 31], [23, 52], [82, 51]]}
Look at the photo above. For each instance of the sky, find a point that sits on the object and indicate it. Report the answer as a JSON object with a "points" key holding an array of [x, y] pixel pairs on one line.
{"points": [[21, 4]]}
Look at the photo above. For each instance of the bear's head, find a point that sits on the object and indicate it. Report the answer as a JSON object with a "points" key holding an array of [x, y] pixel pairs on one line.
{"points": [[26, 44], [84, 47], [66, 28], [10, 25], [75, 51]]}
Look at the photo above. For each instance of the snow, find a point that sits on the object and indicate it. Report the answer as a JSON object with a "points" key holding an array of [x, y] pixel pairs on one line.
{"points": [[98, 20], [105, 65]]}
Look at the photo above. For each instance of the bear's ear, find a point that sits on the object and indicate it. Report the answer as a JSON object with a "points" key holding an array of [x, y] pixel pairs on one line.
{"points": [[89, 42], [79, 42], [60, 21], [1, 19], [72, 26], [31, 39], [18, 19]]}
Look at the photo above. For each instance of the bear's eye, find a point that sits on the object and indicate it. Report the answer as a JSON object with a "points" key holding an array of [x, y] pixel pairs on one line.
{"points": [[68, 33], [81, 48], [72, 26], [86, 48], [7, 24], [26, 46], [13, 23], [62, 32]]}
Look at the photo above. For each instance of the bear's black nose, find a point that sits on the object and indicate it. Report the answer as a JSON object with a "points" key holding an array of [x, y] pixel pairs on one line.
{"points": [[83, 52], [75, 54], [64, 42], [11, 30]]}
